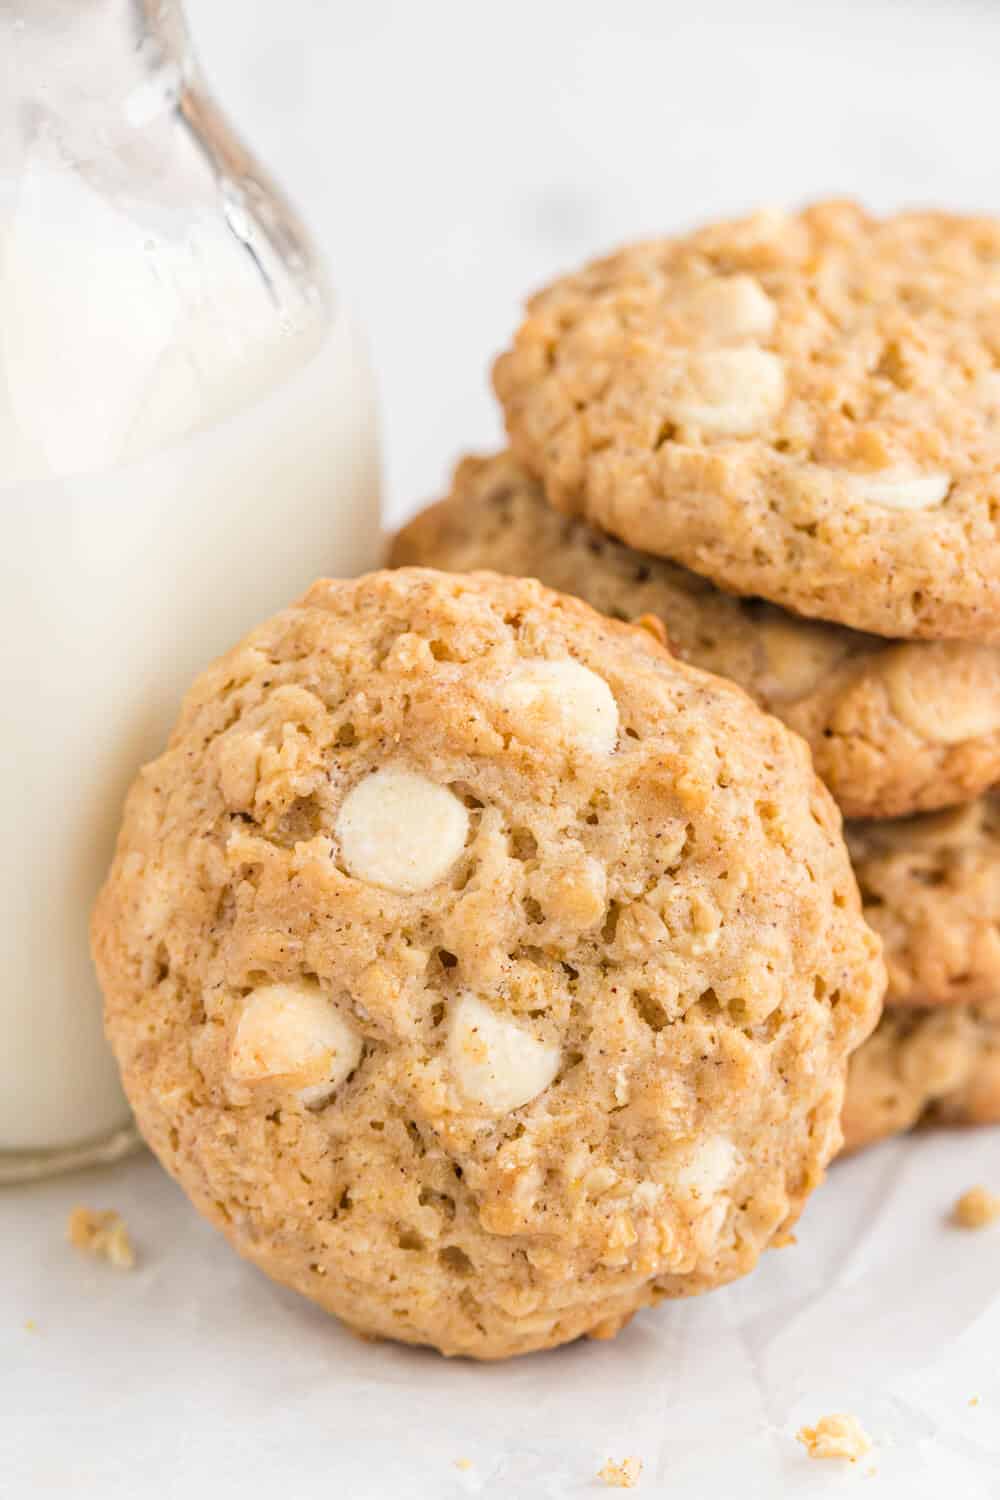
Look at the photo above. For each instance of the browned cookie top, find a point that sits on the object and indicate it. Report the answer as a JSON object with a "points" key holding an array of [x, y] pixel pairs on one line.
{"points": [[804, 407], [481, 970]]}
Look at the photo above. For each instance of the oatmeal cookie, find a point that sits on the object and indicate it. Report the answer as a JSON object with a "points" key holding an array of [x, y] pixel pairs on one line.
{"points": [[931, 887], [480, 970], [803, 407], [925, 1063], [894, 727]]}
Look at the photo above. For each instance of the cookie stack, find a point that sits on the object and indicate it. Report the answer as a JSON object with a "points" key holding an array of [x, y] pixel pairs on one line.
{"points": [[487, 971], [777, 441]]}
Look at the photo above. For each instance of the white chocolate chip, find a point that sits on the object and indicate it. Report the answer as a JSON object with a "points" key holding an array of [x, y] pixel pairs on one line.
{"points": [[730, 308], [798, 655], [898, 491], [292, 1031], [946, 691], [557, 701], [399, 830], [729, 392], [497, 1064], [708, 1167]]}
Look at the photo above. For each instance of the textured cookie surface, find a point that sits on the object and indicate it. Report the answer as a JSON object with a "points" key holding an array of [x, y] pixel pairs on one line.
{"points": [[938, 1064], [479, 969], [931, 887], [894, 727], [805, 408]]}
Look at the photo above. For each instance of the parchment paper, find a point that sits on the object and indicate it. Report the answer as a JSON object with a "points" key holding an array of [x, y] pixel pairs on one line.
{"points": [[194, 1376]]}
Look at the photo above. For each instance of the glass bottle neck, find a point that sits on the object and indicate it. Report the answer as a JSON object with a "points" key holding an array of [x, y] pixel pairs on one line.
{"points": [[151, 275], [73, 69], [100, 19], [111, 90], [113, 38]]}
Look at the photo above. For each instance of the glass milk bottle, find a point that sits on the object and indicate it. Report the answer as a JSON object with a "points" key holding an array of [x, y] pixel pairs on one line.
{"points": [[187, 439]]}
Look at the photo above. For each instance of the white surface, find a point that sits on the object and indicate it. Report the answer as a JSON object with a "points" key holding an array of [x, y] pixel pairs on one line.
{"points": [[194, 1376], [451, 156]]}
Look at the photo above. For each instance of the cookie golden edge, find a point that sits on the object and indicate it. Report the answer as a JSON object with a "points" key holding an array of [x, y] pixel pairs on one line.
{"points": [[930, 887], [924, 1065], [884, 720], [179, 1100]]}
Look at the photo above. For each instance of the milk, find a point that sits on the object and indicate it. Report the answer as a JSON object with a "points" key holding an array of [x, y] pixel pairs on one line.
{"points": [[187, 440], [134, 552]]}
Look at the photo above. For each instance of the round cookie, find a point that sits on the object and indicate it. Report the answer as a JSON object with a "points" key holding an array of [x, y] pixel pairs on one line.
{"points": [[924, 1064], [894, 727], [930, 887], [803, 407], [480, 970]]}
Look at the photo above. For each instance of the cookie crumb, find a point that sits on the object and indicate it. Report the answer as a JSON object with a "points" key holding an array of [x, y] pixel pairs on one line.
{"points": [[623, 1476], [973, 1400], [976, 1209], [32, 1327], [101, 1233], [837, 1436], [463, 1463]]}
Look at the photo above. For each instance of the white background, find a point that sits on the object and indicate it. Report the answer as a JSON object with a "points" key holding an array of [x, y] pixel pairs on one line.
{"points": [[450, 156]]}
